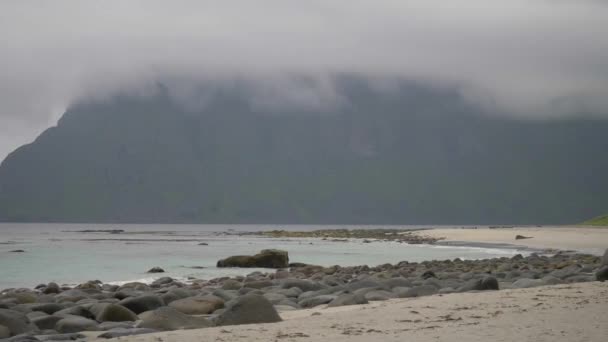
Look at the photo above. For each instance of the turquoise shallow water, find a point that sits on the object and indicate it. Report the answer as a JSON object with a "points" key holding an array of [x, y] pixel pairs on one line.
{"points": [[55, 252]]}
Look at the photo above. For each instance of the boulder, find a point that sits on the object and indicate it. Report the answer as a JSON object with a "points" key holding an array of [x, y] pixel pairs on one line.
{"points": [[226, 295], [232, 284], [72, 295], [75, 311], [167, 318], [176, 294], [106, 312], [355, 285], [142, 303], [48, 308], [249, 309], [105, 326], [4, 332], [348, 299], [198, 305], [304, 285], [16, 322], [602, 274], [258, 284], [46, 322], [317, 300], [120, 332], [74, 324], [51, 288], [487, 283], [378, 295], [156, 270], [605, 258], [268, 258], [274, 298], [396, 282], [416, 291], [162, 280], [526, 283], [62, 337], [428, 274]]}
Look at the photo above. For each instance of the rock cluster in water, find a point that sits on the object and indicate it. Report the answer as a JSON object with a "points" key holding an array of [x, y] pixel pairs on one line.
{"points": [[268, 258], [53, 312], [409, 236]]}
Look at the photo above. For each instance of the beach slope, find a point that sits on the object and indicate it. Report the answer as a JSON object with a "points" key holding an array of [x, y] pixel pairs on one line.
{"points": [[574, 312]]}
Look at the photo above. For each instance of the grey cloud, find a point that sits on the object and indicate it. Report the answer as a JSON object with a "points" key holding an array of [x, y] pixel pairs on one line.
{"points": [[531, 58]]}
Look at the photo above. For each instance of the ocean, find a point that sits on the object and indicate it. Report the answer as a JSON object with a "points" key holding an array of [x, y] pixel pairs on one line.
{"points": [[64, 254]]}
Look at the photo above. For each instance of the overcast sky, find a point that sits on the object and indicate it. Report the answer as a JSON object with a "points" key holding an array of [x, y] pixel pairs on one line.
{"points": [[526, 57]]}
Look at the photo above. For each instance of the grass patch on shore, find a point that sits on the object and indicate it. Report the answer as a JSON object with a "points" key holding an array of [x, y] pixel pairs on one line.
{"points": [[598, 221]]}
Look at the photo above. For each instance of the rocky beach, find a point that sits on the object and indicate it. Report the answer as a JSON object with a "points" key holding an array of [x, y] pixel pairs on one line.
{"points": [[97, 310]]}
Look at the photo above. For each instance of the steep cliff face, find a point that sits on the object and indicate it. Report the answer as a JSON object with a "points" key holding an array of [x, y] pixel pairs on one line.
{"points": [[409, 156]]}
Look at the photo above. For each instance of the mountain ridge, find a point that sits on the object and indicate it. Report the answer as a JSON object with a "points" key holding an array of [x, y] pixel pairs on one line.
{"points": [[411, 156]]}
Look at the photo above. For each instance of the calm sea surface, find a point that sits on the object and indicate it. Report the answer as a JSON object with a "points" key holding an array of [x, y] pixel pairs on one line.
{"points": [[57, 252]]}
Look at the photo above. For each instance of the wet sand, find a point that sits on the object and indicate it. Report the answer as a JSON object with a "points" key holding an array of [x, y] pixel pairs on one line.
{"points": [[582, 239]]}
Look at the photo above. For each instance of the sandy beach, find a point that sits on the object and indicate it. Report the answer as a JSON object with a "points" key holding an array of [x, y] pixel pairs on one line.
{"points": [[593, 240], [574, 312]]}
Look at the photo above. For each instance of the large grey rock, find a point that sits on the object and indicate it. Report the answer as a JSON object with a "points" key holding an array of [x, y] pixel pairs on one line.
{"points": [[355, 285], [293, 292], [379, 295], [268, 258], [417, 291], [176, 294], [75, 311], [526, 283], [113, 325], [487, 283], [249, 309], [4, 332], [51, 288], [72, 295], [226, 295], [396, 282], [257, 284], [304, 285], [16, 322], [48, 308], [167, 318], [231, 284], [274, 298], [316, 301], [119, 332], [566, 272], [602, 274], [605, 258], [198, 305], [348, 299], [46, 322], [107, 312], [142, 303], [76, 324], [62, 337]]}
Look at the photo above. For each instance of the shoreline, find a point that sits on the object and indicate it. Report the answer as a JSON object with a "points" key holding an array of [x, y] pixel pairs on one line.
{"points": [[168, 304], [583, 239]]}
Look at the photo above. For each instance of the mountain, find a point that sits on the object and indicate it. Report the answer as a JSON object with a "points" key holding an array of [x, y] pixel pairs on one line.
{"points": [[411, 155], [597, 221]]}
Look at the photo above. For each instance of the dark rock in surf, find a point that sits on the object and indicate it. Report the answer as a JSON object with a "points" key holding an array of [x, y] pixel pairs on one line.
{"points": [[156, 270], [268, 258]]}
